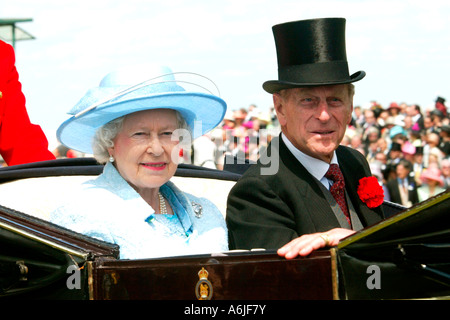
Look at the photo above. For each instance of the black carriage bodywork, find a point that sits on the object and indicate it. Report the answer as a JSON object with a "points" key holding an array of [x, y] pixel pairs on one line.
{"points": [[406, 256]]}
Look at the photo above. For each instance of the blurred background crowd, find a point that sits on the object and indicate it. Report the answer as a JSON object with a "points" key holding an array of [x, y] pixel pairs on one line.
{"points": [[407, 146]]}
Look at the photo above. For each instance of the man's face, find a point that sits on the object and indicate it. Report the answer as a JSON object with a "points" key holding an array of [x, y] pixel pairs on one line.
{"points": [[401, 171], [315, 119]]}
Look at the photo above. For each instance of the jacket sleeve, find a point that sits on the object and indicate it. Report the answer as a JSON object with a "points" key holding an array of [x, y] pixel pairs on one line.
{"points": [[257, 217], [20, 140]]}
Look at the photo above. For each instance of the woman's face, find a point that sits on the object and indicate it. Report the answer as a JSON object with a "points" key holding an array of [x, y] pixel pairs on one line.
{"points": [[144, 147]]}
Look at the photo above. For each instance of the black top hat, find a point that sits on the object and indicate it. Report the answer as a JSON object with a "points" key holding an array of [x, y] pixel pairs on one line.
{"points": [[311, 53], [419, 150], [396, 147]]}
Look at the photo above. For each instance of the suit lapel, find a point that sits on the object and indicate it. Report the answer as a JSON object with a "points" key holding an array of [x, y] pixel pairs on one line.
{"points": [[306, 191], [354, 170]]}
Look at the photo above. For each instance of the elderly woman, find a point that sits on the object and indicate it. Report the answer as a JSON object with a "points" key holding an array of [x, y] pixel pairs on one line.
{"points": [[136, 130]]}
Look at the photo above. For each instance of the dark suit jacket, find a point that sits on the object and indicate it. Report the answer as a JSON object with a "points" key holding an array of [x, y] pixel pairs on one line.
{"points": [[394, 191], [267, 211]]}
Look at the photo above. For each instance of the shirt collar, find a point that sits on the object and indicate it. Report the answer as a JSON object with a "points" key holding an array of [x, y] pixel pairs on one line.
{"points": [[122, 188], [317, 168], [112, 178], [180, 205]]}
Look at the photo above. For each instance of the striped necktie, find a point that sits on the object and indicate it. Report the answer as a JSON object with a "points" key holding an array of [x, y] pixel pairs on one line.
{"points": [[337, 189]]}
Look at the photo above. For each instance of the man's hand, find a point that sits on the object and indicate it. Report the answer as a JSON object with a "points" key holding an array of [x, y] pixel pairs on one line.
{"points": [[304, 245]]}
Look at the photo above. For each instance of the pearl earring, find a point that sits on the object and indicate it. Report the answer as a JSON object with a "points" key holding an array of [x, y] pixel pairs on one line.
{"points": [[111, 159]]}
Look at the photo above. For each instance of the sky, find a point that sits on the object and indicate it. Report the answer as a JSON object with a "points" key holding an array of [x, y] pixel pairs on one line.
{"points": [[402, 45]]}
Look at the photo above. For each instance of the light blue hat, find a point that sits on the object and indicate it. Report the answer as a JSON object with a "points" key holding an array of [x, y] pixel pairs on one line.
{"points": [[397, 130], [128, 91]]}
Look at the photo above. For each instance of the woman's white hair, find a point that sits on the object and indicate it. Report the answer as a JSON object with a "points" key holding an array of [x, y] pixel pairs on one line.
{"points": [[104, 136]]}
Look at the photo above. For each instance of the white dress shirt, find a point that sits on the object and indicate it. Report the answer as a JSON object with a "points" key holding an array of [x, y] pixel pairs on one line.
{"points": [[317, 168]]}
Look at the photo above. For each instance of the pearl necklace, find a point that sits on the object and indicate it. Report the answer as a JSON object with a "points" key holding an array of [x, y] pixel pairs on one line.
{"points": [[162, 204]]}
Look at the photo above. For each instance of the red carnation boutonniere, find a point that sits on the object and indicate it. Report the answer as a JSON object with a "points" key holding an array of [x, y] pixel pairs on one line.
{"points": [[370, 192]]}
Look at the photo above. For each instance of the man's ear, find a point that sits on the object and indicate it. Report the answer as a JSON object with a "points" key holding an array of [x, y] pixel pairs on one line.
{"points": [[278, 104]]}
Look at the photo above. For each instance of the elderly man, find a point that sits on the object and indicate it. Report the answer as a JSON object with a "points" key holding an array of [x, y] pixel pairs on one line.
{"points": [[294, 208]]}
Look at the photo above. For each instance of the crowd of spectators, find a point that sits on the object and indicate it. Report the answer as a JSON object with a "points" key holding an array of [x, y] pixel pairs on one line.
{"points": [[407, 147], [243, 135]]}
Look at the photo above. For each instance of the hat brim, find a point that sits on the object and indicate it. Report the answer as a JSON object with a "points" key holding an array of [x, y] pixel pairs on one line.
{"points": [[428, 177], [274, 86], [77, 132]]}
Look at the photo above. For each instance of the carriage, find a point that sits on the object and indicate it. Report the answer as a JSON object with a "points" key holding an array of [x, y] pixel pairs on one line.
{"points": [[405, 256]]}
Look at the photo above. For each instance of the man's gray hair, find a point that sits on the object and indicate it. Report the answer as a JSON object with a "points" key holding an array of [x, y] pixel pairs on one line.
{"points": [[103, 138]]}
